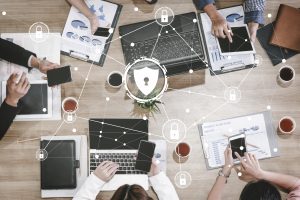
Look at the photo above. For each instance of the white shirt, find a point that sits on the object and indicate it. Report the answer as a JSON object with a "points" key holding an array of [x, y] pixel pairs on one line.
{"points": [[160, 183]]}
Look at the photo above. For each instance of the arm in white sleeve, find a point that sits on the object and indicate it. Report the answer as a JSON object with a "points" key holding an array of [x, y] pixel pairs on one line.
{"points": [[90, 189], [163, 187]]}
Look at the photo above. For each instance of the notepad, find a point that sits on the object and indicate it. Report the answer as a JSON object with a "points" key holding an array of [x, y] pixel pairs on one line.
{"points": [[260, 137]]}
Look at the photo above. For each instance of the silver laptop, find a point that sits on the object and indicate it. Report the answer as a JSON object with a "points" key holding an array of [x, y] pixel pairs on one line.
{"points": [[117, 140]]}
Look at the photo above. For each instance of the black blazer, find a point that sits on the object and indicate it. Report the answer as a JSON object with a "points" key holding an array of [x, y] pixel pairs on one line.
{"points": [[18, 55]]}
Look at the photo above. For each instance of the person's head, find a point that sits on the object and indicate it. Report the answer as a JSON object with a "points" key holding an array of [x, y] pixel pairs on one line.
{"points": [[131, 192], [260, 190]]}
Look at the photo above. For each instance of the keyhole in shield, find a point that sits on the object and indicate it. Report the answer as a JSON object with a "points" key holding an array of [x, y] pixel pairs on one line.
{"points": [[146, 79]]}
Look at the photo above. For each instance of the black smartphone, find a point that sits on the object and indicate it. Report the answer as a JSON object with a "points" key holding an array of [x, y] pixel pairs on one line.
{"points": [[104, 32], [145, 154], [59, 75], [238, 144]]}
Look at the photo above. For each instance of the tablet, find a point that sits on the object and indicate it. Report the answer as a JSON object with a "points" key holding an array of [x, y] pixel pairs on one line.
{"points": [[37, 103], [241, 43]]}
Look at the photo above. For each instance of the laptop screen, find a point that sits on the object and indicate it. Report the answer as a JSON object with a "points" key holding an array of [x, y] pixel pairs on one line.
{"points": [[108, 134]]}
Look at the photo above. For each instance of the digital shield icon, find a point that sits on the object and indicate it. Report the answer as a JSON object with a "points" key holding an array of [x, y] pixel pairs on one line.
{"points": [[146, 79]]}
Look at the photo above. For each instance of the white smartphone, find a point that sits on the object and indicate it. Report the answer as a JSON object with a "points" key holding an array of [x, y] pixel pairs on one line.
{"points": [[238, 144]]}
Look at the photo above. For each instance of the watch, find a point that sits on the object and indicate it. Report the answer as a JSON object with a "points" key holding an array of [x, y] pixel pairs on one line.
{"points": [[222, 174]]}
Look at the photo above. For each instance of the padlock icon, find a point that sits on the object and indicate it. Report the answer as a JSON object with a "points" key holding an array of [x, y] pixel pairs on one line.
{"points": [[174, 132], [70, 117], [38, 32], [232, 95], [41, 156], [164, 16], [182, 179]]}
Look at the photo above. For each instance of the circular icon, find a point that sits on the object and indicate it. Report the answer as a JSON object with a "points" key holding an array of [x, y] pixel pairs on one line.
{"points": [[232, 94], [145, 80], [41, 154], [174, 130], [258, 60], [39, 32], [69, 118], [164, 16], [183, 179]]}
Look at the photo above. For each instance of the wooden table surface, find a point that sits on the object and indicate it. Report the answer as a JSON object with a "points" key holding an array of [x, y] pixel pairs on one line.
{"points": [[19, 170]]}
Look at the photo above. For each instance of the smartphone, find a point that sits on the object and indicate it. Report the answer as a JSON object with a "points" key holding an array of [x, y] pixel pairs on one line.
{"points": [[144, 156], [104, 32], [58, 76], [238, 144]]}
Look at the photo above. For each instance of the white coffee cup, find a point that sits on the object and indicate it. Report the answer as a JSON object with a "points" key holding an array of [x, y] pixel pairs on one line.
{"points": [[286, 125], [286, 76], [115, 79]]}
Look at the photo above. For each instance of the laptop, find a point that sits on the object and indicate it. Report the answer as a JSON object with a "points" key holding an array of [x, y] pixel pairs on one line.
{"points": [[171, 50], [118, 140]]}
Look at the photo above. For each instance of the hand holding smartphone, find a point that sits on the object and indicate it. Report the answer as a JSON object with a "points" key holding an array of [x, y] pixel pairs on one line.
{"points": [[59, 75], [238, 144], [145, 154]]}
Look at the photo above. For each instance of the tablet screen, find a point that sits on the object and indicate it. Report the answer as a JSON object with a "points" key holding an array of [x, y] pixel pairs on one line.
{"points": [[240, 42]]}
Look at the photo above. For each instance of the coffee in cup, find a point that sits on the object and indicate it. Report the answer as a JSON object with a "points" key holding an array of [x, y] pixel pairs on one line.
{"points": [[287, 125], [115, 79], [182, 152], [70, 105], [286, 76]]}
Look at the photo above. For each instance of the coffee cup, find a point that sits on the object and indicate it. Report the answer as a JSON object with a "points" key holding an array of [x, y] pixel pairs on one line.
{"points": [[181, 152], [286, 125], [115, 79], [69, 105], [286, 76]]}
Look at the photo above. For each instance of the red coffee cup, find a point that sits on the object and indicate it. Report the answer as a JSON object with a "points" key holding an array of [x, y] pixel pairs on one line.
{"points": [[182, 152]]}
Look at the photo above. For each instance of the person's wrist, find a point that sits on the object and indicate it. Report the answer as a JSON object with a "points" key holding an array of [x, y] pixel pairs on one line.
{"points": [[211, 11], [12, 101], [92, 16], [35, 63], [226, 170], [260, 175]]}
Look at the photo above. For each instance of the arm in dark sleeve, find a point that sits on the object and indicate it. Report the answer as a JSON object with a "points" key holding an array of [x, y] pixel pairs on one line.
{"points": [[7, 115], [14, 53], [200, 4]]}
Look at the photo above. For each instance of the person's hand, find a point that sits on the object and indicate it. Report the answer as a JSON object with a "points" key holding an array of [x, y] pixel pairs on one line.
{"points": [[16, 90], [228, 161], [94, 22], [220, 28], [250, 167], [154, 168], [106, 170], [42, 65], [252, 26]]}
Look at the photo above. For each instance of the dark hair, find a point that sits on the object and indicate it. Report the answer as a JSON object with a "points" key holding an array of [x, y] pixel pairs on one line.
{"points": [[260, 190], [131, 192]]}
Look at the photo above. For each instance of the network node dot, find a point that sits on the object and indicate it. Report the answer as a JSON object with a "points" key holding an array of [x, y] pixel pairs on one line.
{"points": [[102, 122], [283, 60], [100, 131], [96, 156], [132, 44], [86, 79], [269, 15], [144, 117], [136, 9], [100, 136], [149, 133], [107, 99], [159, 34], [111, 30], [246, 40], [239, 174], [116, 139], [192, 49], [173, 29], [120, 37], [229, 57], [124, 132], [3, 13], [167, 31], [44, 109], [187, 110], [241, 148], [74, 130], [76, 68], [269, 107], [191, 71], [194, 20], [124, 144], [275, 149]]}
